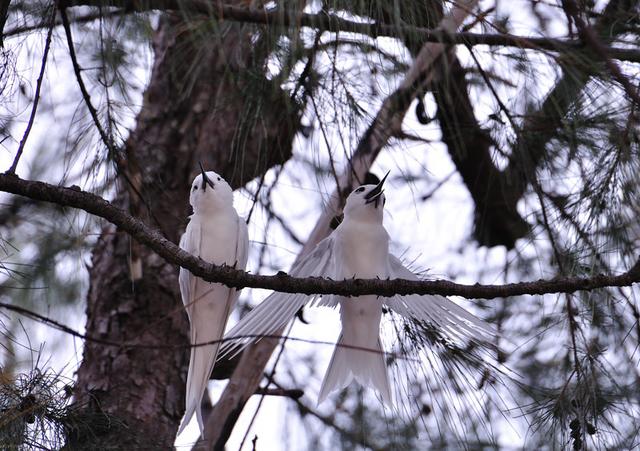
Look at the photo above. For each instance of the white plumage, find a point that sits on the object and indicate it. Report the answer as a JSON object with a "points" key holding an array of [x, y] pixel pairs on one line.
{"points": [[218, 235], [358, 247]]}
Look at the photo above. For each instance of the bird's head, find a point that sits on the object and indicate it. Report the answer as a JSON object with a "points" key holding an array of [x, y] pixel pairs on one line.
{"points": [[366, 202], [210, 192]]}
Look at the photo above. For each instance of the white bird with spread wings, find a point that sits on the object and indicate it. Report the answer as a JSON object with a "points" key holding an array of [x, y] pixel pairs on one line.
{"points": [[359, 247]]}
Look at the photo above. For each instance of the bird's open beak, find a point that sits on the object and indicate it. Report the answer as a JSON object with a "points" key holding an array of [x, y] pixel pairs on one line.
{"points": [[205, 180], [374, 194]]}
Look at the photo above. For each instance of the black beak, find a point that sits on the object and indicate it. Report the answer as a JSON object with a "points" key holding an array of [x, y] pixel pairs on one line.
{"points": [[205, 180], [375, 193]]}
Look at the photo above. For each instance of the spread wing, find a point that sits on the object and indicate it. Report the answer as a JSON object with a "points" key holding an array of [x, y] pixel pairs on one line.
{"points": [[451, 320], [279, 308]]}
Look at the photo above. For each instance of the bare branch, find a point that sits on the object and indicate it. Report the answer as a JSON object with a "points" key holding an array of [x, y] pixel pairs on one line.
{"points": [[293, 393], [135, 343]]}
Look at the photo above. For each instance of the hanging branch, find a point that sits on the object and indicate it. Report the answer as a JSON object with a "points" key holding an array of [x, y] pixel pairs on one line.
{"points": [[83, 90], [36, 100]]}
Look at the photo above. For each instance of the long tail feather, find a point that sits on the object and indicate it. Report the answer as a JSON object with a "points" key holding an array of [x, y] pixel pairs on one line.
{"points": [[200, 367]]}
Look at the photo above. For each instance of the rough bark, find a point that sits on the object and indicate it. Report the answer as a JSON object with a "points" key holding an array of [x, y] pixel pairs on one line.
{"points": [[207, 101]]}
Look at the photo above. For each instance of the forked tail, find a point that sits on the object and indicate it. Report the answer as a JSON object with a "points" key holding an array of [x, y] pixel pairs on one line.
{"points": [[367, 366]]}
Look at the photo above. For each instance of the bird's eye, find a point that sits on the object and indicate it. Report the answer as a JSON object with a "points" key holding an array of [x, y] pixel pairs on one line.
{"points": [[359, 190], [219, 178], [195, 187]]}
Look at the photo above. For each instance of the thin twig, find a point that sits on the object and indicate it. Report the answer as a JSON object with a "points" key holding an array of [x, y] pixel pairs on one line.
{"points": [[330, 422], [573, 325], [489, 84], [437, 186], [85, 94], [270, 379], [36, 100], [104, 136], [293, 393], [135, 344]]}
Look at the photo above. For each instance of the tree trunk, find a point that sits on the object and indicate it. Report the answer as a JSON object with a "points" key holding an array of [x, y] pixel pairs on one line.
{"points": [[208, 100]]}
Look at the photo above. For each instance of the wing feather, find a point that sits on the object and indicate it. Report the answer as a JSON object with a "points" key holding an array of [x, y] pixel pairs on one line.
{"points": [[452, 320], [279, 308]]}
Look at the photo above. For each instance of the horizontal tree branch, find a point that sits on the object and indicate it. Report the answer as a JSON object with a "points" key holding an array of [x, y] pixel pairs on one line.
{"points": [[84, 18], [93, 204], [334, 23]]}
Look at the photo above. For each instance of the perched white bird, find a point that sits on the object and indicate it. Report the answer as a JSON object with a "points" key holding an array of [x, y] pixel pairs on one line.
{"points": [[359, 247], [218, 235]]}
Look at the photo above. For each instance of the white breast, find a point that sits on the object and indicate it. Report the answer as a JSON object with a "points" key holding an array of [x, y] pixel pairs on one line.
{"points": [[219, 235], [363, 249]]}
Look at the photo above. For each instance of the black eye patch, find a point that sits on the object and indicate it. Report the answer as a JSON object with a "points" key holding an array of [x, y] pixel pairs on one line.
{"points": [[359, 190]]}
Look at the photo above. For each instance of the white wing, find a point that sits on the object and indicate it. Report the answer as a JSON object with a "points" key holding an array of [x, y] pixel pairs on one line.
{"points": [[190, 242], [242, 254], [279, 308], [242, 244], [454, 322]]}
